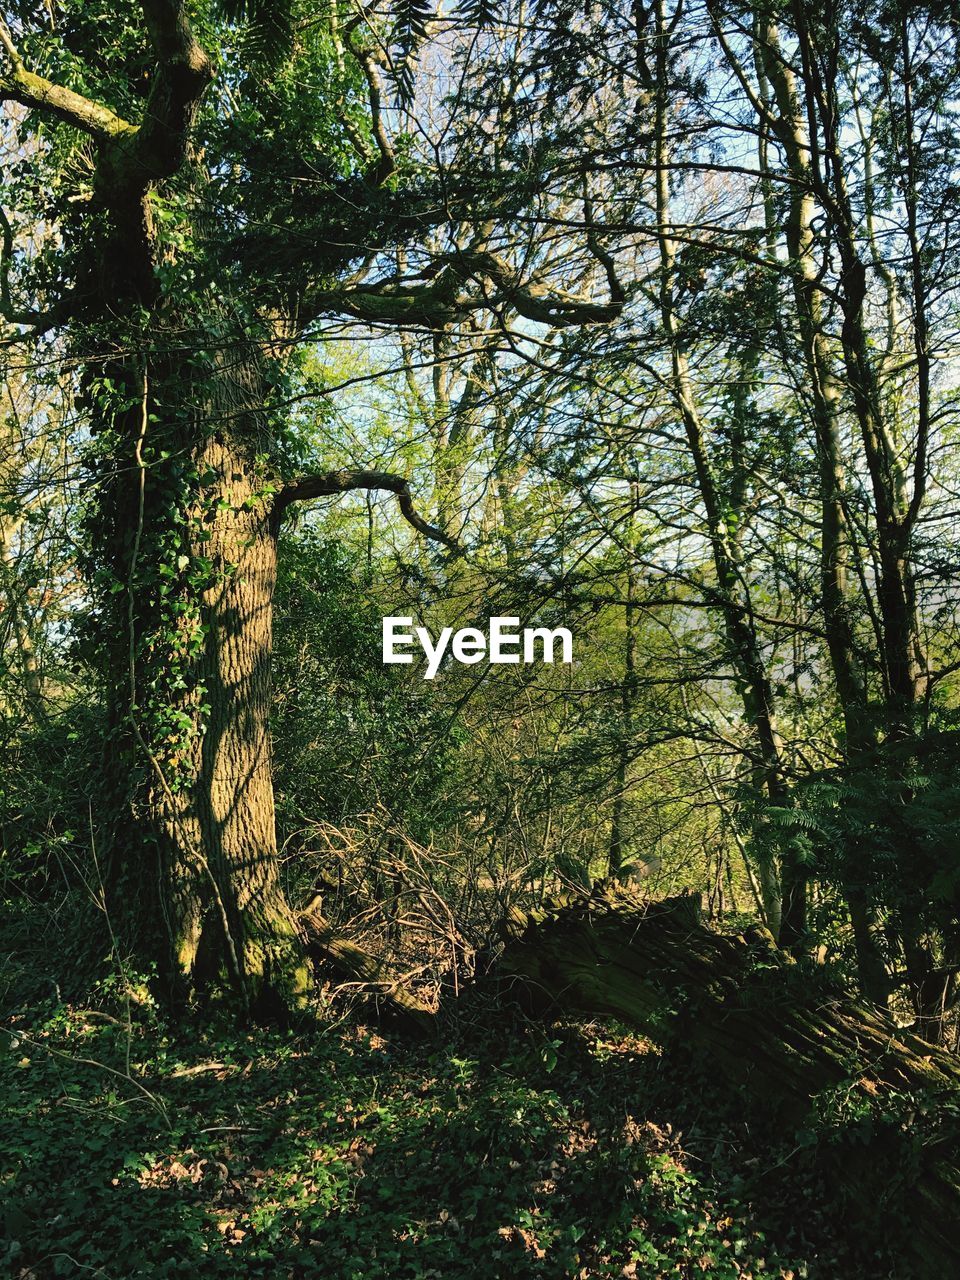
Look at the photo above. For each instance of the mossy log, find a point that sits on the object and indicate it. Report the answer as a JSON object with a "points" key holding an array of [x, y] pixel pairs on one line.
{"points": [[809, 1058], [372, 975]]}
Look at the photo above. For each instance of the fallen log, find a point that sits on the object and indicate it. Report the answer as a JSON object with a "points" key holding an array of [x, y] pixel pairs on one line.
{"points": [[806, 1055], [372, 975]]}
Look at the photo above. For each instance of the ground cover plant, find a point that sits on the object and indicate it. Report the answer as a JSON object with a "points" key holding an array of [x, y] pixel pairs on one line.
{"points": [[347, 1153]]}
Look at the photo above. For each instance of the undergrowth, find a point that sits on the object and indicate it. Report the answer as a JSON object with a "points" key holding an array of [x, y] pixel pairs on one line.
{"points": [[133, 1148]]}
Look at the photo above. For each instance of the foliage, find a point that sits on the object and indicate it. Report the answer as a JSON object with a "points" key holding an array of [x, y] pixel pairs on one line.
{"points": [[266, 1153], [352, 734]]}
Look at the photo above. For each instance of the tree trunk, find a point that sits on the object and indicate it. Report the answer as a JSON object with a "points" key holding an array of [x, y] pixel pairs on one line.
{"points": [[231, 796], [808, 1056], [897, 502], [617, 856], [784, 895], [778, 82], [191, 568]]}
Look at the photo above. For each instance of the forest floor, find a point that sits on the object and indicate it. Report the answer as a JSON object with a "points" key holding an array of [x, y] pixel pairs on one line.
{"points": [[133, 1148]]}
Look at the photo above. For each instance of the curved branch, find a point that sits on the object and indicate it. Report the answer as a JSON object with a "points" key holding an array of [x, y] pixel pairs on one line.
{"points": [[541, 302], [327, 483]]}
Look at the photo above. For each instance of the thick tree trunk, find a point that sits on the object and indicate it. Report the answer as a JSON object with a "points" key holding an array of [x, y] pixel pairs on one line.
{"points": [[806, 1056], [228, 907], [192, 561]]}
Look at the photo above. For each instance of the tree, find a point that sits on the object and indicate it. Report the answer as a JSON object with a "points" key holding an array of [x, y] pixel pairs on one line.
{"points": [[200, 236], [784, 208]]}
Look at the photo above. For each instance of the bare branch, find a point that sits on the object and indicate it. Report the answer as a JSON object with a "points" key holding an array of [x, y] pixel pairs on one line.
{"points": [[327, 483]]}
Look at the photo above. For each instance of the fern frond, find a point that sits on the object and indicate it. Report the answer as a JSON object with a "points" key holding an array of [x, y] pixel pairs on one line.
{"points": [[267, 29], [411, 27]]}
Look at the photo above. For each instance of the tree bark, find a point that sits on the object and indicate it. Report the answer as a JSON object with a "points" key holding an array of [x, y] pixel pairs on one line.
{"points": [[188, 561]]}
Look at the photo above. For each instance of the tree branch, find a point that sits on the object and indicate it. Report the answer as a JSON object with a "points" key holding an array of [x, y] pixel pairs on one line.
{"points": [[327, 483], [395, 301], [443, 300], [155, 148], [541, 302], [182, 74], [30, 90], [387, 162]]}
